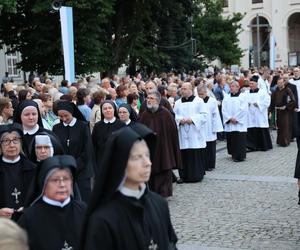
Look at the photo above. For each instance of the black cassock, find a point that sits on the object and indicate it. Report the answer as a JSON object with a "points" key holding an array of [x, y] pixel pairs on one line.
{"points": [[53, 228], [17, 184], [101, 132], [76, 141], [297, 168], [125, 223]]}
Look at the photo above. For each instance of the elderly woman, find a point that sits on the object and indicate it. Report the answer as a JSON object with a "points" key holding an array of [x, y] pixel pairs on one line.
{"points": [[127, 114], [54, 219], [45, 146], [103, 129], [74, 135], [123, 213], [17, 174]]}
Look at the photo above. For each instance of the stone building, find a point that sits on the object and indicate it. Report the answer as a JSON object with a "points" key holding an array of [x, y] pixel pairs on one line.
{"points": [[274, 25]]}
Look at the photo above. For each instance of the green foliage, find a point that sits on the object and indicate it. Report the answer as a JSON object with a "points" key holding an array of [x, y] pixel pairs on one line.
{"points": [[217, 36], [153, 35], [8, 5]]}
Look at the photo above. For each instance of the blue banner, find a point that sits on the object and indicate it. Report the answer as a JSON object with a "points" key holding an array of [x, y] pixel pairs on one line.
{"points": [[66, 22]]}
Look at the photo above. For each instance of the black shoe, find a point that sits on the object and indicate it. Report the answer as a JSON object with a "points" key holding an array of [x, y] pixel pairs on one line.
{"points": [[179, 181], [237, 160], [299, 197]]}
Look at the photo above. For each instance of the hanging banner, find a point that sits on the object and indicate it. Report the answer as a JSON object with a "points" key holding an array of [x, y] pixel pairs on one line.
{"points": [[66, 22]]}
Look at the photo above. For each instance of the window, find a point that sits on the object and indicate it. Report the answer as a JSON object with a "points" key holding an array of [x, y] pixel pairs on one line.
{"points": [[257, 1], [11, 63], [225, 3]]}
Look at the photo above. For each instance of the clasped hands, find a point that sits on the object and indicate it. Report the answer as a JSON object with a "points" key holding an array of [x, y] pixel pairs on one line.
{"points": [[186, 121], [8, 212]]}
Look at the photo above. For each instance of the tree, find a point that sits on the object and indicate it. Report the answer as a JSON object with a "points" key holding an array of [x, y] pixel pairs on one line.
{"points": [[217, 36], [34, 30], [153, 35]]}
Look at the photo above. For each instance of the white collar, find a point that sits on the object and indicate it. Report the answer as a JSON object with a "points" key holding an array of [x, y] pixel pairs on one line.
{"points": [[56, 203], [11, 161], [72, 123], [31, 131], [110, 121], [128, 122], [133, 193]]}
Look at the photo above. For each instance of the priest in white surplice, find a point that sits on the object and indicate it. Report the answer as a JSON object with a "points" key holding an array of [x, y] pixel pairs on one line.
{"points": [[234, 110], [212, 126], [258, 135], [191, 115]]}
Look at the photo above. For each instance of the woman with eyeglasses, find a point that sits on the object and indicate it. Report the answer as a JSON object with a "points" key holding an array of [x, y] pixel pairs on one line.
{"points": [[55, 218], [17, 173]]}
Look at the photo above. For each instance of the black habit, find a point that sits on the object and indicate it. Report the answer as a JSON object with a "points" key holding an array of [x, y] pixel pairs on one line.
{"points": [[101, 132], [17, 184], [126, 223], [76, 141], [51, 227], [119, 222]]}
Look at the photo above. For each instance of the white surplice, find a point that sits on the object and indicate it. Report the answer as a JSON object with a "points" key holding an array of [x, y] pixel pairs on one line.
{"points": [[214, 122], [258, 116], [235, 107], [191, 136]]}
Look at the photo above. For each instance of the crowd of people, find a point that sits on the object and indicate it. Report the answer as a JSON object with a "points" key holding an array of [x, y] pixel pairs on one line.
{"points": [[87, 163]]}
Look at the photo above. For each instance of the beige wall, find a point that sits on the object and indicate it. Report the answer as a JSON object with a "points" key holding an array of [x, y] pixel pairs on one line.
{"points": [[276, 12]]}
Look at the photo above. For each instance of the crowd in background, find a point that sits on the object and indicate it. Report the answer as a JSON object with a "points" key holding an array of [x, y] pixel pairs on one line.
{"points": [[187, 112]]}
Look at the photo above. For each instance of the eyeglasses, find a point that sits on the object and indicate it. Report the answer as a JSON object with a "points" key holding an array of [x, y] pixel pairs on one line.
{"points": [[57, 180], [7, 142]]}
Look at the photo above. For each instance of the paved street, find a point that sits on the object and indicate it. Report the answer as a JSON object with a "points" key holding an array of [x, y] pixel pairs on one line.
{"points": [[247, 205]]}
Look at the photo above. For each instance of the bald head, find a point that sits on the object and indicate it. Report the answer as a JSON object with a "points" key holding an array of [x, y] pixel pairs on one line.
{"points": [[186, 89]]}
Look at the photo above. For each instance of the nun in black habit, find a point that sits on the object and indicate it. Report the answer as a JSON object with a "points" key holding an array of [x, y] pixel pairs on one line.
{"points": [[17, 173], [28, 115], [103, 129], [55, 218], [123, 213], [75, 137], [127, 114]]}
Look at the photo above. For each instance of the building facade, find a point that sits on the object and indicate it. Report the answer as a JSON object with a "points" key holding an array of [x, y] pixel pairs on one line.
{"points": [[8, 63], [271, 31]]}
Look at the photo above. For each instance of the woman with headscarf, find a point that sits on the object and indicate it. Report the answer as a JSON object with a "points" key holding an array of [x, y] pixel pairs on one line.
{"points": [[127, 114], [29, 117], [55, 218], [123, 213], [104, 128], [74, 135], [45, 146], [17, 174]]}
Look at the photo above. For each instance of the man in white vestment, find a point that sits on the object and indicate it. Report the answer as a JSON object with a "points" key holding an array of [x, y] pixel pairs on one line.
{"points": [[212, 126], [234, 110], [258, 135], [190, 116], [263, 82]]}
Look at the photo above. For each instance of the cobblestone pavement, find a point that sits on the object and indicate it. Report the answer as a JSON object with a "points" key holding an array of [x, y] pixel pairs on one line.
{"points": [[246, 205]]}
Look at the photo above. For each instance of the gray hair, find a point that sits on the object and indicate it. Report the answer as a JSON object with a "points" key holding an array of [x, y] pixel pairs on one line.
{"points": [[202, 87], [156, 94]]}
